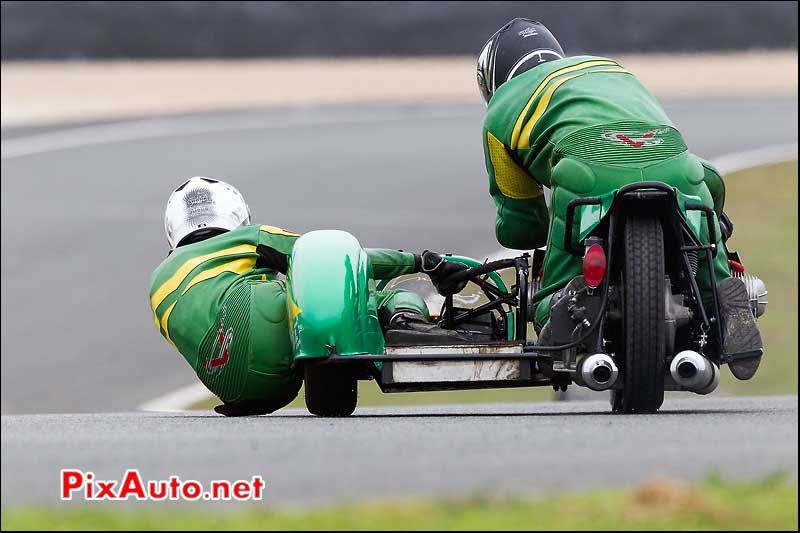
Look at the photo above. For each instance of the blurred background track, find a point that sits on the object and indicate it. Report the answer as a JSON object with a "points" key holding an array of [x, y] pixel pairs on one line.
{"points": [[48, 92], [81, 30]]}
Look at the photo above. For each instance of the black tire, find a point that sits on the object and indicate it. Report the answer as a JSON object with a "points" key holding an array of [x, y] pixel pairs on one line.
{"points": [[331, 390], [643, 316]]}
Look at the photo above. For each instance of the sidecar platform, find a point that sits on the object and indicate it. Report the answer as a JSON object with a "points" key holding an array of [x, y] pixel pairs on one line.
{"points": [[408, 368]]}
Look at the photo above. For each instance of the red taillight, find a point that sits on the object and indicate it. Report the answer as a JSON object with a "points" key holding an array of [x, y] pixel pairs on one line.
{"points": [[594, 265]]}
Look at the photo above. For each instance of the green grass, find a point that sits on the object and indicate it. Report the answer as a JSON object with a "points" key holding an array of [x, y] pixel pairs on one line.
{"points": [[664, 505], [763, 205]]}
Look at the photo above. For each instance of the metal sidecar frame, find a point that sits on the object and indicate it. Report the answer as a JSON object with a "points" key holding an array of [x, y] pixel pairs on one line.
{"points": [[334, 323]]}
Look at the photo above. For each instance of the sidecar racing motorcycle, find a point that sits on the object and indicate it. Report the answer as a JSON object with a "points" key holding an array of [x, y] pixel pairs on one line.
{"points": [[636, 325]]}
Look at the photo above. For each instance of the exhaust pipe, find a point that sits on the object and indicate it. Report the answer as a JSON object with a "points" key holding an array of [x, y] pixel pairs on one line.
{"points": [[694, 372], [598, 372]]}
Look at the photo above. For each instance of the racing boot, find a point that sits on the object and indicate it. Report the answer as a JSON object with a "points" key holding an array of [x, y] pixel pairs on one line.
{"points": [[407, 326], [741, 338]]}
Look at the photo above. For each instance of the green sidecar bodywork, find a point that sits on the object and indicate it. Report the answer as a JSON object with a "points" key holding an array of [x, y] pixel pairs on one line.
{"points": [[332, 301], [331, 297]]}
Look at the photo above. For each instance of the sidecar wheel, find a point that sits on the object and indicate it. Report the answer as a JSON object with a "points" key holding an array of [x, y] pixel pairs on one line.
{"points": [[330, 390], [643, 316]]}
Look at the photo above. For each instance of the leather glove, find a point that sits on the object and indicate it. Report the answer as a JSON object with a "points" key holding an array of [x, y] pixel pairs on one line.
{"points": [[439, 269]]}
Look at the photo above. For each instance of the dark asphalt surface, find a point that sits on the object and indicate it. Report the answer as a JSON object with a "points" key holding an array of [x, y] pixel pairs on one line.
{"points": [[82, 226], [412, 451]]}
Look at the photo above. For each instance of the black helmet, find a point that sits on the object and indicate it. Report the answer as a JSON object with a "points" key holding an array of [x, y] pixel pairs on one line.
{"points": [[518, 46]]}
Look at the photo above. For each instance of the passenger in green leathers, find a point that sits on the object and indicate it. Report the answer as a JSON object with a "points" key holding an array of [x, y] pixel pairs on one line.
{"points": [[218, 299], [558, 128]]}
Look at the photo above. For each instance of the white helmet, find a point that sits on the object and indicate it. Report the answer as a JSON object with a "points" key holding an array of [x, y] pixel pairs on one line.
{"points": [[204, 204]]}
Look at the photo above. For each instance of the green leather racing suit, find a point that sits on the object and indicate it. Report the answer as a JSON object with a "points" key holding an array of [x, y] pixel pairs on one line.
{"points": [[220, 303], [576, 127]]}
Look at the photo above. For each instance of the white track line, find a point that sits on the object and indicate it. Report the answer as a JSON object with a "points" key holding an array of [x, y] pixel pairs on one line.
{"points": [[157, 128], [182, 399], [178, 400], [767, 155]]}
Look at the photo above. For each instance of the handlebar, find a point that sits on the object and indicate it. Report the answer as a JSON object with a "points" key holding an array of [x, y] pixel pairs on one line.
{"points": [[485, 268]]}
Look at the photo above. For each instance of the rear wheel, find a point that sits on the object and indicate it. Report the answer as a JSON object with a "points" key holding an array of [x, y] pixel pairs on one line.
{"points": [[331, 390], [643, 316]]}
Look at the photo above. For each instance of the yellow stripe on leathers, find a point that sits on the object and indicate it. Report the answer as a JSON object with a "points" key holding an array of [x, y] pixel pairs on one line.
{"points": [[512, 180], [237, 266], [293, 310], [165, 322], [278, 231], [169, 286], [541, 107], [515, 135]]}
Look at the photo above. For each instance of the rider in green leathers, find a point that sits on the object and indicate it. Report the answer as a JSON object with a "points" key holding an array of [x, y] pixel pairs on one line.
{"points": [[557, 128], [218, 299]]}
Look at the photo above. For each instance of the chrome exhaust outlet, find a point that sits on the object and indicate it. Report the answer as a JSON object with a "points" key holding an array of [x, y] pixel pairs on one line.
{"points": [[694, 372], [598, 372]]}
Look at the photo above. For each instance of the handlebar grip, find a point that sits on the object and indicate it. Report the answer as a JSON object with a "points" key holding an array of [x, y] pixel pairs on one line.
{"points": [[472, 272]]}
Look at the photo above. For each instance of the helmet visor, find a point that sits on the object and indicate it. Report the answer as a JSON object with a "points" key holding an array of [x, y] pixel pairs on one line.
{"points": [[485, 77]]}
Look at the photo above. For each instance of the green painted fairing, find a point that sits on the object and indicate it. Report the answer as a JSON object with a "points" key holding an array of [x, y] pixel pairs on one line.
{"points": [[591, 215], [331, 297], [694, 218]]}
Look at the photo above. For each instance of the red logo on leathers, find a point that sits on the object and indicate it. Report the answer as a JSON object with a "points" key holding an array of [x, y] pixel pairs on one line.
{"points": [[224, 341], [634, 139]]}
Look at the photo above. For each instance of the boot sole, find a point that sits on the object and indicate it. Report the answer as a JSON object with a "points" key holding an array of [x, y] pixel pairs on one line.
{"points": [[740, 333]]}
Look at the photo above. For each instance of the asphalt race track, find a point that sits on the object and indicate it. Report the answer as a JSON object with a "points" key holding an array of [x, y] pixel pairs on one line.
{"points": [[391, 452], [82, 230]]}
